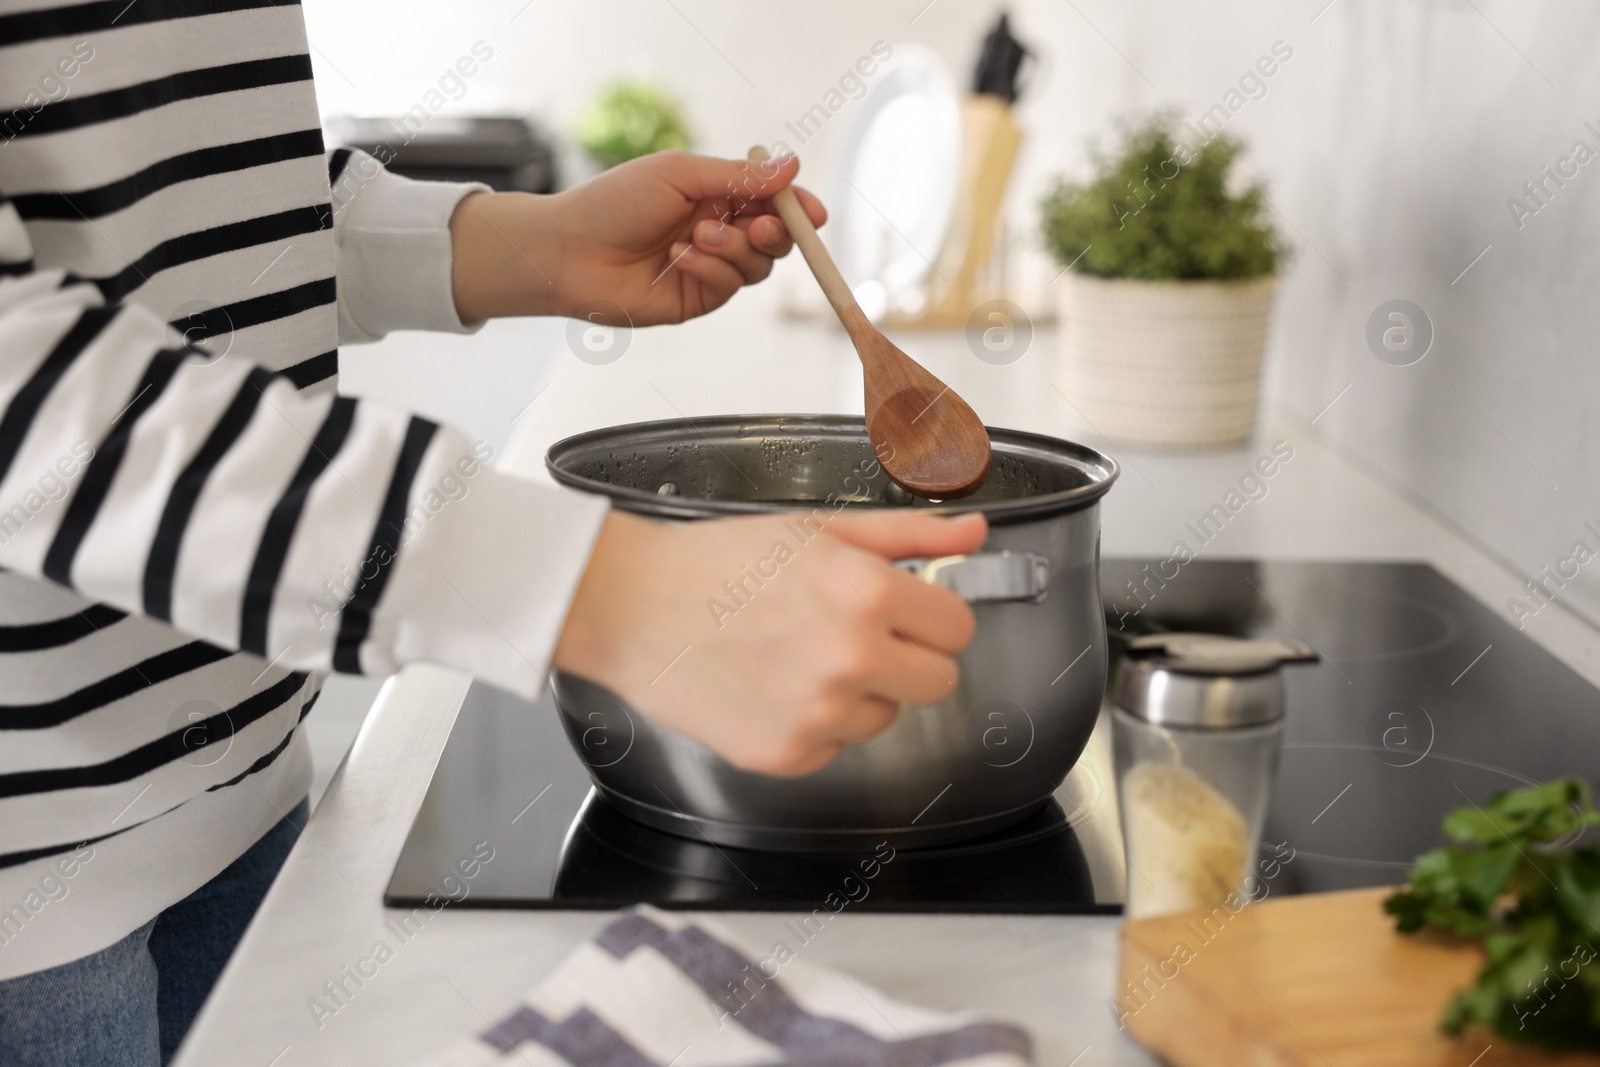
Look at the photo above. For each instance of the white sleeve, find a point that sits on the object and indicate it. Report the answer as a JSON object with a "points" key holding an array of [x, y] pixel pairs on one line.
{"points": [[315, 531], [393, 236]]}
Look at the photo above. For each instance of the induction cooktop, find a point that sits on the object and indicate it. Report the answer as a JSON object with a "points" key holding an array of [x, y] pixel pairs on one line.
{"points": [[1425, 700]]}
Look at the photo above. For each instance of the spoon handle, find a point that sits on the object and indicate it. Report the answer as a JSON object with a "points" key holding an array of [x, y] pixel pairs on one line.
{"points": [[834, 287]]}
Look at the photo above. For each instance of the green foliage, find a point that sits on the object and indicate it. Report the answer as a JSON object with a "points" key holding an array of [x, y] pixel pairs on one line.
{"points": [[1507, 879], [1160, 211], [629, 120]]}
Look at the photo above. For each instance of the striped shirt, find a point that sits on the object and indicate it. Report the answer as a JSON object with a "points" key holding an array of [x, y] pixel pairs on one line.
{"points": [[194, 526]]}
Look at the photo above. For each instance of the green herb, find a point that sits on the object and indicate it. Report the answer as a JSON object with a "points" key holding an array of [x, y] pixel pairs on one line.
{"points": [[1514, 877], [632, 119], [1162, 210]]}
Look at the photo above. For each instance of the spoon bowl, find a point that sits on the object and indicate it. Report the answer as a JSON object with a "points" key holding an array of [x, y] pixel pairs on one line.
{"points": [[927, 438]]}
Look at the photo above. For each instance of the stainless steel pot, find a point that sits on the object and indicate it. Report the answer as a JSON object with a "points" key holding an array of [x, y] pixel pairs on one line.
{"points": [[987, 756]]}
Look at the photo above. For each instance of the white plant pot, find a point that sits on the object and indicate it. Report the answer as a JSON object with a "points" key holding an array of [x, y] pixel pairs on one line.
{"points": [[1172, 364]]}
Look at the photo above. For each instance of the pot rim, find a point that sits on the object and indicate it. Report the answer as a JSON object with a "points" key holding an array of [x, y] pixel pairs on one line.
{"points": [[1101, 469]]}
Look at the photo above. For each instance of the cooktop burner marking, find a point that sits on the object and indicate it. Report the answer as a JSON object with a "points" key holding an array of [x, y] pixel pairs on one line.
{"points": [[1299, 631], [1471, 665], [1331, 803], [1090, 799], [1402, 728], [1289, 746]]}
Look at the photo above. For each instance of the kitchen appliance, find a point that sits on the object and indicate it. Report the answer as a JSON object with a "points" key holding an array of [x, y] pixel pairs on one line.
{"points": [[987, 756], [505, 153], [1196, 729], [1424, 695]]}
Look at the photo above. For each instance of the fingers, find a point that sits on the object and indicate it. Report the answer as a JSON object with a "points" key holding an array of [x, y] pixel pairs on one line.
{"points": [[718, 278], [906, 534], [746, 233], [764, 209], [793, 764], [911, 674], [916, 610], [767, 234], [767, 231], [709, 178], [732, 243], [743, 186], [866, 717], [751, 240]]}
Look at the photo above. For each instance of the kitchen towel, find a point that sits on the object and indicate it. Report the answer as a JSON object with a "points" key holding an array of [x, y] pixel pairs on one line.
{"points": [[654, 989]]}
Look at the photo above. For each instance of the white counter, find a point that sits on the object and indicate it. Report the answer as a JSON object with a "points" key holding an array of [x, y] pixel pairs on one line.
{"points": [[1050, 974]]}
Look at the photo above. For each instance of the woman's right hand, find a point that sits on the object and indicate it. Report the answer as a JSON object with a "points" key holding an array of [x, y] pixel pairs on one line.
{"points": [[775, 640]]}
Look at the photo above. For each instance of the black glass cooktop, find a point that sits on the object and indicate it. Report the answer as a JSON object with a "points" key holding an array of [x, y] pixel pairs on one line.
{"points": [[1425, 700]]}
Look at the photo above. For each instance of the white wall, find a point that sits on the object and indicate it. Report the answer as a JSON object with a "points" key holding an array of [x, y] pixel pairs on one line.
{"points": [[742, 68], [1391, 139], [1394, 138]]}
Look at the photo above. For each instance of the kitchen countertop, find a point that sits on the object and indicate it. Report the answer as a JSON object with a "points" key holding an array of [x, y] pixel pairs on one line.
{"points": [[1052, 974]]}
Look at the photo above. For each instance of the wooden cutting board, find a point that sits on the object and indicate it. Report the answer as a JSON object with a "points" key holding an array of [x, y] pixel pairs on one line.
{"points": [[1313, 981]]}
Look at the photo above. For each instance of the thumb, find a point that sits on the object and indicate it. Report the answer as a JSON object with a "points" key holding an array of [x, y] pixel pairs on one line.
{"points": [[706, 177], [904, 534]]}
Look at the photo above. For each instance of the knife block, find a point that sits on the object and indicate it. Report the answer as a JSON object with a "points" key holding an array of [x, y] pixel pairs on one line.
{"points": [[991, 137]]}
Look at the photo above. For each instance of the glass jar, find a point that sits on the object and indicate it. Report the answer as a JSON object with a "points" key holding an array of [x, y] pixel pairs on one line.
{"points": [[1197, 729]]}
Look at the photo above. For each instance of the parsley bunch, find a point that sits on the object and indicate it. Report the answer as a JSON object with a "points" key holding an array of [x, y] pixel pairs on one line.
{"points": [[1515, 876]]}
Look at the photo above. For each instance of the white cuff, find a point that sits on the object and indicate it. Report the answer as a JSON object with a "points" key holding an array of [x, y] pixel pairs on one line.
{"points": [[484, 584], [393, 235]]}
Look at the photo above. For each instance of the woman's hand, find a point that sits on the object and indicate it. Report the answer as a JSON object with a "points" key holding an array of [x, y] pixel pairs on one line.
{"points": [[776, 640], [666, 237]]}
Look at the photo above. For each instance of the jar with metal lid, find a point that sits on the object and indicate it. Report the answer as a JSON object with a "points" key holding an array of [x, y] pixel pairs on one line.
{"points": [[1197, 729]]}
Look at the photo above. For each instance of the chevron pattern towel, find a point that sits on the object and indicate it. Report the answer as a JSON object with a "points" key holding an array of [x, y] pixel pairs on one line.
{"points": [[655, 989]]}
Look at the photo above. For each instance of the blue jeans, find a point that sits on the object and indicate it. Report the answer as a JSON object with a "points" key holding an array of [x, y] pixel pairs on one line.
{"points": [[129, 1005]]}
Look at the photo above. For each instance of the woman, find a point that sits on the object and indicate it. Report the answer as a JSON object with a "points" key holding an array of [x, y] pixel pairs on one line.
{"points": [[191, 535]]}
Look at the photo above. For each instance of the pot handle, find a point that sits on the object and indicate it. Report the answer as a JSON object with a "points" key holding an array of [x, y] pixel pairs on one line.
{"points": [[986, 577]]}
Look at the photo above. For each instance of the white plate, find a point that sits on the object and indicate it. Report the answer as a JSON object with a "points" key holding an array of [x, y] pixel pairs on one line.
{"points": [[897, 182]]}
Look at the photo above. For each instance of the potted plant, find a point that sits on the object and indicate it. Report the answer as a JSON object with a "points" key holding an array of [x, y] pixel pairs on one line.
{"points": [[632, 119], [1165, 304]]}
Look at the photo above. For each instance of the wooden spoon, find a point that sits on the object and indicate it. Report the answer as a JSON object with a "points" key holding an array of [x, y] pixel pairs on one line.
{"points": [[926, 437]]}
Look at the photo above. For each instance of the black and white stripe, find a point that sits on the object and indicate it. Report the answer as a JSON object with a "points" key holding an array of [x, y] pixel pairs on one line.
{"points": [[178, 479]]}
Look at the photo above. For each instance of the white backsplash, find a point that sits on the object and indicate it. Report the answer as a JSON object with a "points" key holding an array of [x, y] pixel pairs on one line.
{"points": [[1392, 138]]}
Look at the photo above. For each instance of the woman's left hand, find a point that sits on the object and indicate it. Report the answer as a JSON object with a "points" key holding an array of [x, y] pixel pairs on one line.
{"points": [[666, 237]]}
